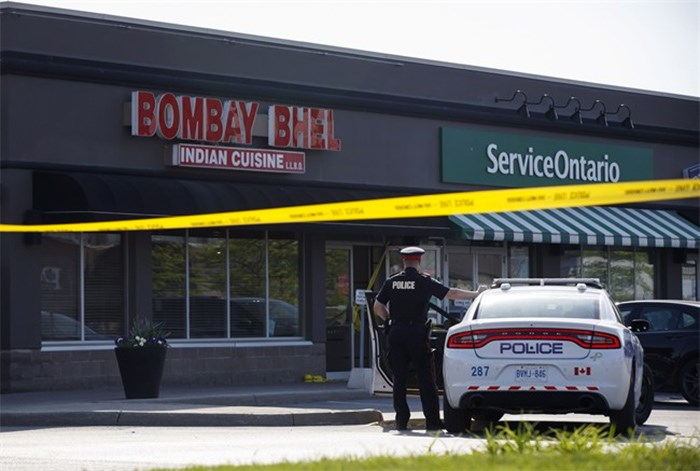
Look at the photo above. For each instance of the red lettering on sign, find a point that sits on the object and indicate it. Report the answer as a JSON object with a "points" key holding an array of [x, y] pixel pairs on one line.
{"points": [[305, 128], [192, 118], [143, 114], [214, 110], [321, 130], [239, 118], [279, 132], [168, 116], [300, 127], [209, 119], [331, 142]]}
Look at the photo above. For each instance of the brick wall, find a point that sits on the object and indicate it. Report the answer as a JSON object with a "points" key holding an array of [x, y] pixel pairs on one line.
{"points": [[33, 370]]}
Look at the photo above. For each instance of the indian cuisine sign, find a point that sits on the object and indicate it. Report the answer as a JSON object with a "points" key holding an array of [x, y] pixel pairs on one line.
{"points": [[230, 158]]}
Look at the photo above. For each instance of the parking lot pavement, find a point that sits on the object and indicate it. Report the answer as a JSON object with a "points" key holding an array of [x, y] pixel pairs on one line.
{"points": [[327, 403]]}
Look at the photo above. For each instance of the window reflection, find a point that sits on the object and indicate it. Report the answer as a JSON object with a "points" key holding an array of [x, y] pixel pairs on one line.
{"points": [[168, 281], [257, 275], [283, 287], [248, 308], [626, 274], [60, 287], [100, 277], [207, 284]]}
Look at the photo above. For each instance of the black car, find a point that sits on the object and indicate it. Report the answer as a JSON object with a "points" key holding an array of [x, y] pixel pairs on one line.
{"points": [[671, 343]]}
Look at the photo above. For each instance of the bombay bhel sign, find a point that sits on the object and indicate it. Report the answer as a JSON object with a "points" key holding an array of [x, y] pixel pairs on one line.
{"points": [[225, 122]]}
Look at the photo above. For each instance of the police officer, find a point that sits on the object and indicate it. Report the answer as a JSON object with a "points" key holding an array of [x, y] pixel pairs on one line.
{"points": [[403, 301]]}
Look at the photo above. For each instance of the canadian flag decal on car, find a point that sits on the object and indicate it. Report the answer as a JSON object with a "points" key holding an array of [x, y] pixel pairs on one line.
{"points": [[582, 371]]}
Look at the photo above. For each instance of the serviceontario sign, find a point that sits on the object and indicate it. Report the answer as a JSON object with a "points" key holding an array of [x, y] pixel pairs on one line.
{"points": [[514, 160]]}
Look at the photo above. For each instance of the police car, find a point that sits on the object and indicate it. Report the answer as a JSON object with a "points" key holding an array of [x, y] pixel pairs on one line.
{"points": [[543, 346]]}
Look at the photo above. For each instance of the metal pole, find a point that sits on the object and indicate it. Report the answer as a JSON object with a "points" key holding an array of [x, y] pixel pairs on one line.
{"points": [[352, 339], [362, 336]]}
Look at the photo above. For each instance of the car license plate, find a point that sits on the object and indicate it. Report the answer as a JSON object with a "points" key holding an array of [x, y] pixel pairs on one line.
{"points": [[531, 374]]}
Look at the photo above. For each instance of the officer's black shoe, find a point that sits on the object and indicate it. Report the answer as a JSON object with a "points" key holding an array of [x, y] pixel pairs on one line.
{"points": [[434, 426], [402, 421]]}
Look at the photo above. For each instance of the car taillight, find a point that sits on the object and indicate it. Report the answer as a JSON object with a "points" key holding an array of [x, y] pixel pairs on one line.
{"points": [[582, 338], [599, 340], [467, 340]]}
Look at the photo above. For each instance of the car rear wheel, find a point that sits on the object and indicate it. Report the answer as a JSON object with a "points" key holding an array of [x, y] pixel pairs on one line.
{"points": [[689, 377], [646, 401], [456, 420], [624, 420]]}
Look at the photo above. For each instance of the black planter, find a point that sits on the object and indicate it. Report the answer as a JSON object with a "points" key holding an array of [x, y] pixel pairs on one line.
{"points": [[141, 369]]}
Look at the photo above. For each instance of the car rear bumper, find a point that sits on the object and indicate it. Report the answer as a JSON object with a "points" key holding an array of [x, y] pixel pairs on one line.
{"points": [[552, 402]]}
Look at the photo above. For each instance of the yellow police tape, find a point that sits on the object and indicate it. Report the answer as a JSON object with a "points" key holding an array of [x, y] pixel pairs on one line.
{"points": [[443, 204]]}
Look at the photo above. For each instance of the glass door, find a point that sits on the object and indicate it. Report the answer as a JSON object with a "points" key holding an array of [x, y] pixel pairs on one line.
{"points": [[469, 267], [338, 308]]}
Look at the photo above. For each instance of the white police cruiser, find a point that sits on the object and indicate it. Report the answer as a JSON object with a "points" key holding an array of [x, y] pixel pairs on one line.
{"points": [[542, 346]]}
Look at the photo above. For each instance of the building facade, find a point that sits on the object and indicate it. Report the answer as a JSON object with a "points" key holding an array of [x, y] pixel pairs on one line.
{"points": [[106, 118]]}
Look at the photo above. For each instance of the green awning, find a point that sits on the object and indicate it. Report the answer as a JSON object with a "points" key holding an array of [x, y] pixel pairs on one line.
{"points": [[595, 225]]}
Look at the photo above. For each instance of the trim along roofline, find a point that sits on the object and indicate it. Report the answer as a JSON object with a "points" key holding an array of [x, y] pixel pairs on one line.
{"points": [[22, 63]]}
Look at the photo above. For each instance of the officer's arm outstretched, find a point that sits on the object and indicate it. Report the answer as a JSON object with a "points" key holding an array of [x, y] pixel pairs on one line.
{"points": [[457, 293]]}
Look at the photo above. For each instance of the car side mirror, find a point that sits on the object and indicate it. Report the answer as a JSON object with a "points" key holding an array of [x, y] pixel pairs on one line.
{"points": [[639, 325]]}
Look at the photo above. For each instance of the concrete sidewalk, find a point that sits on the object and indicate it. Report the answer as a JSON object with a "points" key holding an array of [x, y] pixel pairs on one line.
{"points": [[327, 403]]}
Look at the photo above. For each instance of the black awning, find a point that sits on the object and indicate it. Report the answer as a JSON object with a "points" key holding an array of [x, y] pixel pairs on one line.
{"points": [[82, 197], [135, 196]]}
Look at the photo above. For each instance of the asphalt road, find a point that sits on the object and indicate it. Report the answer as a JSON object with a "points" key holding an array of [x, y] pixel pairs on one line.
{"points": [[144, 448]]}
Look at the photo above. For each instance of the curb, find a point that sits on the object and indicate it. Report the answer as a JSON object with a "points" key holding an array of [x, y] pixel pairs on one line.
{"points": [[185, 419]]}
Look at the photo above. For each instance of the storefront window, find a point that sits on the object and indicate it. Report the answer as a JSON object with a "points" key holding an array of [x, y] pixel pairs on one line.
{"points": [[248, 307], [626, 274], [621, 275], [207, 283], [168, 281], [461, 275], [519, 263], [689, 275], [461, 270], [191, 295], [104, 285], [82, 287], [60, 287], [337, 286], [643, 276], [570, 264], [283, 319], [594, 264]]}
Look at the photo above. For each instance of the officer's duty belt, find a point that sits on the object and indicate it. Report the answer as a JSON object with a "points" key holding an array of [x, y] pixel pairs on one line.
{"points": [[420, 322]]}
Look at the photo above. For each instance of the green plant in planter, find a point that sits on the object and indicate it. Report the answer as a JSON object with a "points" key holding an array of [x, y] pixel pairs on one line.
{"points": [[144, 333], [141, 358]]}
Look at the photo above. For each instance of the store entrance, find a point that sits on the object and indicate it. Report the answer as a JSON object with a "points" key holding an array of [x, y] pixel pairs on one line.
{"points": [[348, 268], [338, 307], [469, 267]]}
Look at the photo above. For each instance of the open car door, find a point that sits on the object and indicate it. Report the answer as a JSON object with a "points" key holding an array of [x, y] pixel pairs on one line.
{"points": [[379, 346], [381, 370]]}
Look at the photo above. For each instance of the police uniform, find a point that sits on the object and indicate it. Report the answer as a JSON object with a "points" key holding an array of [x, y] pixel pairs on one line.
{"points": [[408, 294]]}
